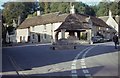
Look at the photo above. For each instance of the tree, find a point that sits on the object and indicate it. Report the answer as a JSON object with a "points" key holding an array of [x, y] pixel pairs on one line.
{"points": [[103, 9], [14, 9], [47, 7], [114, 8], [63, 7], [54, 7], [84, 9]]}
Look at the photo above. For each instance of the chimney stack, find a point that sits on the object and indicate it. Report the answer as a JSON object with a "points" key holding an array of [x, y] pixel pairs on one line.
{"points": [[72, 9]]}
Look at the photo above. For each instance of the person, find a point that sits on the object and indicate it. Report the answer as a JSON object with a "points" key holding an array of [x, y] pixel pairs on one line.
{"points": [[115, 40]]}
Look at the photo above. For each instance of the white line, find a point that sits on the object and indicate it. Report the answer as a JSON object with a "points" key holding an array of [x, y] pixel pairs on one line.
{"points": [[87, 74], [83, 63], [87, 51], [74, 61], [82, 59], [74, 71], [83, 67], [74, 75], [85, 71], [73, 64], [73, 67]]}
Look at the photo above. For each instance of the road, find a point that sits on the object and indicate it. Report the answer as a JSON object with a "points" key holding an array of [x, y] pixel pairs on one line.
{"points": [[39, 60]]}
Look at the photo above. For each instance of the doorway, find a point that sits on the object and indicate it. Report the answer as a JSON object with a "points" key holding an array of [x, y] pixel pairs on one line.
{"points": [[38, 37]]}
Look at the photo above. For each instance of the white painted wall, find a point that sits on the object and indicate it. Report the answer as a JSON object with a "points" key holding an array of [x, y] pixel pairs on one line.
{"points": [[55, 26], [22, 32], [47, 29], [111, 22]]}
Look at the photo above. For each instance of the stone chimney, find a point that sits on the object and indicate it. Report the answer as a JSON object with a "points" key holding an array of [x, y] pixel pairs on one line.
{"points": [[19, 20], [110, 13], [14, 23], [38, 13], [72, 9], [38, 8]]}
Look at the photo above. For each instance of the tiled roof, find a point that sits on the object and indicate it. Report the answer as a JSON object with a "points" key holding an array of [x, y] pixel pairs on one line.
{"points": [[117, 19], [79, 21], [70, 21], [43, 19], [105, 18]]}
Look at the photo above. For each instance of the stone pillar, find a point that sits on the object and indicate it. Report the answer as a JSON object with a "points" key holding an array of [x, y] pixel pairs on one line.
{"points": [[56, 36], [63, 33], [89, 36], [71, 33], [78, 35]]}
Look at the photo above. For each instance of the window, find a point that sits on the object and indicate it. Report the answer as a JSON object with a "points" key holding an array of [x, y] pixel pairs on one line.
{"points": [[33, 28], [33, 36], [20, 38], [45, 36], [44, 27]]}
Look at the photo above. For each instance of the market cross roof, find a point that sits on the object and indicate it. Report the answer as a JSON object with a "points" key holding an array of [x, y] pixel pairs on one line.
{"points": [[80, 21]]}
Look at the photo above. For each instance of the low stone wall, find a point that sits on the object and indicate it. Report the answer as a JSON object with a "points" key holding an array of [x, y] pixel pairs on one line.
{"points": [[67, 44]]}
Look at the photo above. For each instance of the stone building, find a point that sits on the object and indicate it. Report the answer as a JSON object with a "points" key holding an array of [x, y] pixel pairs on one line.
{"points": [[53, 26]]}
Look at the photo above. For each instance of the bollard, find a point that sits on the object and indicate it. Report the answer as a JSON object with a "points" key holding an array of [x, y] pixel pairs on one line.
{"points": [[53, 48], [74, 47]]}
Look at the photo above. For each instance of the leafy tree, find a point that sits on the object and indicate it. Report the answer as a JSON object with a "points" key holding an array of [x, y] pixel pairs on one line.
{"points": [[14, 9], [103, 9], [54, 7], [84, 9], [63, 7], [114, 8], [47, 7], [119, 8]]}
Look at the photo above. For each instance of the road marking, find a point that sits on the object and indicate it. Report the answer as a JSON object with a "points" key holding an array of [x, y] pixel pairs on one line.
{"points": [[87, 74], [73, 64], [73, 67], [74, 61], [74, 71], [83, 65], [85, 71]]}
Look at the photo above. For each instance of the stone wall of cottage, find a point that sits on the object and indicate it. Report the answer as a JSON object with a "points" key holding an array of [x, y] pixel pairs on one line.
{"points": [[39, 33], [111, 22], [22, 35]]}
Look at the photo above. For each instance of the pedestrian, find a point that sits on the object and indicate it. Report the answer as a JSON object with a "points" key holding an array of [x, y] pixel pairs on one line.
{"points": [[115, 40]]}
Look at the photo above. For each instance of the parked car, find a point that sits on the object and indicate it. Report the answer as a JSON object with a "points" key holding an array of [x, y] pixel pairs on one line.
{"points": [[106, 40], [96, 39]]}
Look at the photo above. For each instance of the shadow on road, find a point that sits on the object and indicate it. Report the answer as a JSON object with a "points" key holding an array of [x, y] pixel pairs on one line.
{"points": [[38, 56]]}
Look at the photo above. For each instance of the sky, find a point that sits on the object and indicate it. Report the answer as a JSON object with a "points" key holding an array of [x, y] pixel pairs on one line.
{"points": [[89, 2]]}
